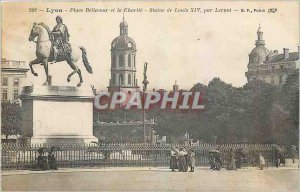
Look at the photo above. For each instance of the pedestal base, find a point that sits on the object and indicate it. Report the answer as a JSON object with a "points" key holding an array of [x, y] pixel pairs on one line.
{"points": [[57, 114], [63, 139]]}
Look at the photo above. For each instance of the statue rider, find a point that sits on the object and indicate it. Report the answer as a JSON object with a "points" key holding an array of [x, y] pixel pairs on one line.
{"points": [[61, 37]]}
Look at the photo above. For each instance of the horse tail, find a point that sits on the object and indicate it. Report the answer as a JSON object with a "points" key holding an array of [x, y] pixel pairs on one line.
{"points": [[85, 61]]}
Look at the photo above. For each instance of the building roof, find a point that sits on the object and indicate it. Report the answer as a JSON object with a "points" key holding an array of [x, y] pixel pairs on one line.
{"points": [[123, 42], [294, 56], [260, 51], [258, 55]]}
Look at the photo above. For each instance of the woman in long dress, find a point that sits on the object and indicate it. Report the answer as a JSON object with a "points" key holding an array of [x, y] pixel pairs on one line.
{"points": [[231, 164], [192, 160], [173, 160], [187, 159], [262, 162], [182, 160]]}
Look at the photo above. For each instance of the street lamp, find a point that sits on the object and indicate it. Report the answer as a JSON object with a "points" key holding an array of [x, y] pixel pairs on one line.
{"points": [[145, 83]]}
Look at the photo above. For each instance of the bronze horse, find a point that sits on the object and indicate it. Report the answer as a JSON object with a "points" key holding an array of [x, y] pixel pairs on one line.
{"points": [[44, 53]]}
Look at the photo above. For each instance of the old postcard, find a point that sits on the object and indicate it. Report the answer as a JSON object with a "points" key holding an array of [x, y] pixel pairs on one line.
{"points": [[150, 96]]}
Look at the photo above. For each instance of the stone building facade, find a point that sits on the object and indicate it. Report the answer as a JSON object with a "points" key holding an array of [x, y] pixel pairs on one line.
{"points": [[269, 66], [13, 74], [123, 62]]}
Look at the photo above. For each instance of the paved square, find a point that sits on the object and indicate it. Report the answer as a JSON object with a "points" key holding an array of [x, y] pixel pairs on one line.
{"points": [[155, 179]]}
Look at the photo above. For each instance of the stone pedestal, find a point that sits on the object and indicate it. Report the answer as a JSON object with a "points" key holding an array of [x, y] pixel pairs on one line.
{"points": [[57, 114]]}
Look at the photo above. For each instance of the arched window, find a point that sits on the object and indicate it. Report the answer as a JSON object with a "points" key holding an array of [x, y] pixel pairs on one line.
{"points": [[121, 79], [113, 60], [129, 60], [129, 79], [121, 61]]}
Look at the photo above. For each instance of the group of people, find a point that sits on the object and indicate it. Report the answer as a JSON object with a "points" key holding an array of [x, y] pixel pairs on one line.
{"points": [[233, 160], [46, 162], [182, 159]]}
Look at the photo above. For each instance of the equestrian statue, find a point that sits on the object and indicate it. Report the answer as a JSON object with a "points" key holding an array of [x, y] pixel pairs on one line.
{"points": [[53, 46]]}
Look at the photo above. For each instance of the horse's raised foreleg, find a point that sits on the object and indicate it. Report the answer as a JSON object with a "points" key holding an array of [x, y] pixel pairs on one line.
{"points": [[70, 75], [45, 63], [36, 61], [76, 70]]}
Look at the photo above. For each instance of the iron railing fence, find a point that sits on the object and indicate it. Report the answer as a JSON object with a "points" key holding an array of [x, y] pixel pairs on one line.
{"points": [[18, 156]]}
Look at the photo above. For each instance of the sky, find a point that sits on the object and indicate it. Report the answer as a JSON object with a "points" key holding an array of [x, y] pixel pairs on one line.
{"points": [[183, 46]]}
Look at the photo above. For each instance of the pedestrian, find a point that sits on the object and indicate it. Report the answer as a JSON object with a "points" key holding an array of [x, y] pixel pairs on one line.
{"points": [[52, 160], [211, 160], [186, 156], [262, 162], [42, 160], [284, 151], [40, 164], [173, 160], [231, 164], [239, 155], [181, 160], [192, 160], [294, 153]]}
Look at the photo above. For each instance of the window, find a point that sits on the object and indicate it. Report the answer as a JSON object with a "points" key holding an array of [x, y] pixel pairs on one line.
{"points": [[16, 82], [121, 79], [121, 60], [280, 79], [134, 81], [129, 60], [281, 67], [134, 61], [113, 60], [113, 79], [16, 94], [272, 80], [129, 79], [4, 81], [273, 68], [4, 94]]}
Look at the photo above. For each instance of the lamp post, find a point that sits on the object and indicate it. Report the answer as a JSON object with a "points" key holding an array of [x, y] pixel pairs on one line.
{"points": [[145, 83]]}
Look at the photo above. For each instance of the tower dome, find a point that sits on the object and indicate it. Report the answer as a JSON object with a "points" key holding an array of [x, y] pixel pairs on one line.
{"points": [[259, 54], [123, 42]]}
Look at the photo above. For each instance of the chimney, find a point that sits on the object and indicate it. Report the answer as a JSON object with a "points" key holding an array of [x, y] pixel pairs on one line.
{"points": [[286, 53], [175, 87]]}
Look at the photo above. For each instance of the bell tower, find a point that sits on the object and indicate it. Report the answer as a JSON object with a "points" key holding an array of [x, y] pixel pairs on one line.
{"points": [[259, 40], [123, 62]]}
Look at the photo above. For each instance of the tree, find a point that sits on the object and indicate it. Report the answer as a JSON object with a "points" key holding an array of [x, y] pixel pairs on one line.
{"points": [[257, 112], [11, 116]]}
